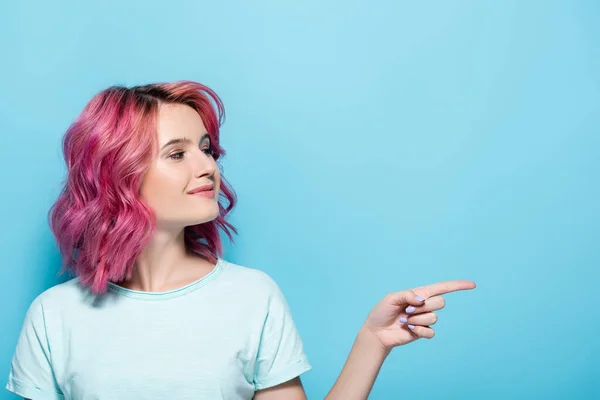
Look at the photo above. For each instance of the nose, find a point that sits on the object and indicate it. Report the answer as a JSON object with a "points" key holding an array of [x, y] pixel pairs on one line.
{"points": [[204, 166]]}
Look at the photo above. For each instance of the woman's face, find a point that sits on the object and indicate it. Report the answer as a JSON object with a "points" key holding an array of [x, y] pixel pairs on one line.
{"points": [[184, 162]]}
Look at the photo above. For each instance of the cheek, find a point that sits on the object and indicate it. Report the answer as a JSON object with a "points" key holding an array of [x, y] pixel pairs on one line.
{"points": [[217, 179], [162, 185]]}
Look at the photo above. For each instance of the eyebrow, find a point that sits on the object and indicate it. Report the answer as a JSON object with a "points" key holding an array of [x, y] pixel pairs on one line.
{"points": [[183, 140]]}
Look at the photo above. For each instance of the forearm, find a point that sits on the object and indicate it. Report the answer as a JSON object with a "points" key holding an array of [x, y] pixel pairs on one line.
{"points": [[360, 370]]}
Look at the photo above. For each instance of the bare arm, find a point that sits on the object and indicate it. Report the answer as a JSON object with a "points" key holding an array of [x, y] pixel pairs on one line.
{"points": [[360, 370], [355, 381], [377, 337], [290, 390]]}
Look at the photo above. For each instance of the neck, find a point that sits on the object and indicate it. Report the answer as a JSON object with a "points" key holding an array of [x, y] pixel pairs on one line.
{"points": [[165, 264]]}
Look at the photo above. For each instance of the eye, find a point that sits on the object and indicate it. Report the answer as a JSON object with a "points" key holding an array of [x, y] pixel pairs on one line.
{"points": [[177, 156]]}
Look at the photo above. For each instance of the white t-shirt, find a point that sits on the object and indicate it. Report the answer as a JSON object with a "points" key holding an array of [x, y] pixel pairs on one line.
{"points": [[221, 337]]}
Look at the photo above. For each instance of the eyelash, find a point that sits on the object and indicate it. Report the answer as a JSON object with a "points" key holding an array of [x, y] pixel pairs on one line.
{"points": [[208, 151]]}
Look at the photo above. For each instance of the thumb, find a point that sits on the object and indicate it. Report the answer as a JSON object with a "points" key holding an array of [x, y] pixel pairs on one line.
{"points": [[406, 297]]}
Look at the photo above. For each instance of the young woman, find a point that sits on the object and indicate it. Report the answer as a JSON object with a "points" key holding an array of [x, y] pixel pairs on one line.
{"points": [[153, 310]]}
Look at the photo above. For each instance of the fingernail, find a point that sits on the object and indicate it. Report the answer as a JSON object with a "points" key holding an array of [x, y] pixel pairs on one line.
{"points": [[420, 298], [411, 327], [404, 320], [410, 309]]}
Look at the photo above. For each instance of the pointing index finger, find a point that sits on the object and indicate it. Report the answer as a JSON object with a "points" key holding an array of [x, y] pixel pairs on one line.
{"points": [[444, 287]]}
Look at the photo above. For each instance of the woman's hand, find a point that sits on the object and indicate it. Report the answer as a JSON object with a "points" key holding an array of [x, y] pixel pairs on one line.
{"points": [[388, 325], [403, 317]]}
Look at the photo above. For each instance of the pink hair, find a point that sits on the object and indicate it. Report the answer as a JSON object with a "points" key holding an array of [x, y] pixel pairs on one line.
{"points": [[99, 220]]}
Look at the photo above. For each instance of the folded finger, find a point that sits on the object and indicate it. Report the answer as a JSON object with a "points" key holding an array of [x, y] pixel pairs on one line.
{"points": [[431, 304], [422, 331], [405, 297], [426, 319]]}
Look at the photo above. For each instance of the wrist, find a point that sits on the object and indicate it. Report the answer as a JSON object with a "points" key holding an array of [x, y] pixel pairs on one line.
{"points": [[361, 368], [369, 339]]}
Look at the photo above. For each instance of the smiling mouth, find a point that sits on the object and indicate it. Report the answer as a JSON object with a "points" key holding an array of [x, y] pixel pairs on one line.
{"points": [[202, 189], [205, 193]]}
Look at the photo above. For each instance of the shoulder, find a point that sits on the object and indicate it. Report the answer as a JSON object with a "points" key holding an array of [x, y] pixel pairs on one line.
{"points": [[64, 297], [66, 291], [251, 279], [248, 272], [49, 305]]}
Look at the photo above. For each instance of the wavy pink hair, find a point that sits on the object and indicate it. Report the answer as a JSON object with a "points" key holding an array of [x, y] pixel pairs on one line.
{"points": [[99, 220]]}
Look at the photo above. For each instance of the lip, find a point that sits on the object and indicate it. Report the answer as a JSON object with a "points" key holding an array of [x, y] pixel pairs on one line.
{"points": [[204, 189], [205, 193]]}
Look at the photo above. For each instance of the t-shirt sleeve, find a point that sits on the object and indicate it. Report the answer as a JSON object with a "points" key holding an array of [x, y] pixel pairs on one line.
{"points": [[281, 354], [31, 375]]}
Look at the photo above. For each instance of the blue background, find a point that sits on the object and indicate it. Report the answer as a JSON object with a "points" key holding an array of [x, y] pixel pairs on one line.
{"points": [[375, 146]]}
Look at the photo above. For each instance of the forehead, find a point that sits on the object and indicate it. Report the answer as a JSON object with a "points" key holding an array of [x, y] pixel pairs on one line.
{"points": [[179, 120]]}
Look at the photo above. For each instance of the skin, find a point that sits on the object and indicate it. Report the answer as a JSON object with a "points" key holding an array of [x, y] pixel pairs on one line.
{"points": [[165, 264]]}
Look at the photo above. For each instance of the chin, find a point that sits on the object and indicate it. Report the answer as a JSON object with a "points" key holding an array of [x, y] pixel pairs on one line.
{"points": [[196, 215], [206, 217]]}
